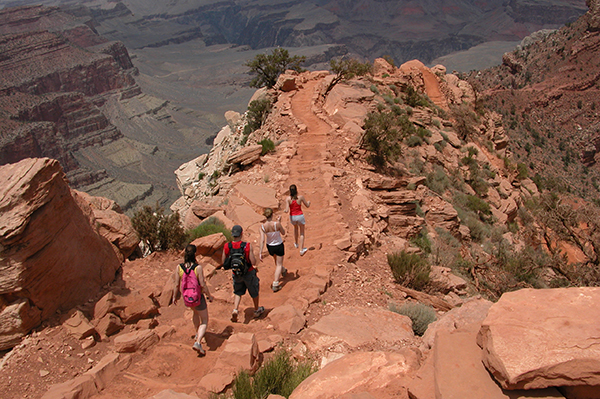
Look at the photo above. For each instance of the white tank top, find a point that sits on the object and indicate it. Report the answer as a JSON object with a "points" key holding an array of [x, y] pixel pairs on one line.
{"points": [[273, 237]]}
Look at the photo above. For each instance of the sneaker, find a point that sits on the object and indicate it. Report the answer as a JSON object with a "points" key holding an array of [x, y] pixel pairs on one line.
{"points": [[259, 311], [234, 315], [198, 348], [295, 245], [303, 251], [275, 287], [283, 272]]}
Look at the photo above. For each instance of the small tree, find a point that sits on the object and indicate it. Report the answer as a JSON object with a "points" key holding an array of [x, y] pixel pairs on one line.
{"points": [[268, 67], [157, 230], [347, 69]]}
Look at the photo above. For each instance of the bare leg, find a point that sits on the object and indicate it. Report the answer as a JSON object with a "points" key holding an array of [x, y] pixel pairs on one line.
{"points": [[301, 243], [278, 268], [201, 321], [296, 235], [255, 301], [236, 302]]}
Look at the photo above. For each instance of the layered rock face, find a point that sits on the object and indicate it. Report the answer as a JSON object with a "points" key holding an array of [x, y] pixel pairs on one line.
{"points": [[51, 256], [69, 94]]}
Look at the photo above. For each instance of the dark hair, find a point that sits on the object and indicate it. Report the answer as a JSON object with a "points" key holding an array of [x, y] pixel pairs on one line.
{"points": [[293, 191], [190, 254]]}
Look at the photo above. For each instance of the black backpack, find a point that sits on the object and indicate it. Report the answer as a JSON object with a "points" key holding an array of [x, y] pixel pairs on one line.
{"points": [[236, 261]]}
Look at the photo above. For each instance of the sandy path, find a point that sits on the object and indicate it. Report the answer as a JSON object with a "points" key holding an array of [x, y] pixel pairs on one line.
{"points": [[308, 172]]}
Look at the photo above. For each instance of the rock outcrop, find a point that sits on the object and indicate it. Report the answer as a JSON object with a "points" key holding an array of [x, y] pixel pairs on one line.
{"points": [[529, 342], [51, 257]]}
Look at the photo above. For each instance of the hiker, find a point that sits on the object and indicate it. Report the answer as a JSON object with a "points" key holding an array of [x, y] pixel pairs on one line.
{"points": [[193, 288], [270, 233], [293, 205], [239, 257]]}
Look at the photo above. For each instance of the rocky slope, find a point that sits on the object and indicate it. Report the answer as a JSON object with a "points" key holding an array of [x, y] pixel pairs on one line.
{"points": [[548, 92], [70, 94]]}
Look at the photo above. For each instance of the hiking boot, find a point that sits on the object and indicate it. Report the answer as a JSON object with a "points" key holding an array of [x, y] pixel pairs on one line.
{"points": [[303, 251], [259, 311], [198, 348], [275, 287], [234, 315]]}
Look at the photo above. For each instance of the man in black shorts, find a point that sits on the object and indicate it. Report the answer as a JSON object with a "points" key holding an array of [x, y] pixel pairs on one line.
{"points": [[248, 281]]}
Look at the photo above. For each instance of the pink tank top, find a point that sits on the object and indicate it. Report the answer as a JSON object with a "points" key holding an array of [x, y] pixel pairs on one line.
{"points": [[295, 208]]}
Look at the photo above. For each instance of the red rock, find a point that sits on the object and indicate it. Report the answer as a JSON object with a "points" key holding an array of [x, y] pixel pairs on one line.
{"points": [[210, 245], [135, 341], [134, 307], [460, 374], [287, 318], [541, 338], [357, 327], [245, 155], [109, 325], [358, 373], [57, 259], [78, 325], [112, 223]]}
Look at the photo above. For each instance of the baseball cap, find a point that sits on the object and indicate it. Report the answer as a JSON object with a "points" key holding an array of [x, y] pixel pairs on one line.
{"points": [[236, 230]]}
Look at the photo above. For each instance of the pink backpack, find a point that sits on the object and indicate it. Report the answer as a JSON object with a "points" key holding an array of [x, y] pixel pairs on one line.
{"points": [[191, 290]]}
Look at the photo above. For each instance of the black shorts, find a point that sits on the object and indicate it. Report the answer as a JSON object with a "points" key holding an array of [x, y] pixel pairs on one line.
{"points": [[248, 281], [202, 305], [278, 250]]}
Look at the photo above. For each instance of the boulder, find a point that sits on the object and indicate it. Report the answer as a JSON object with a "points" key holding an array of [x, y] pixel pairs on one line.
{"points": [[245, 155], [109, 325], [205, 208], [468, 316], [134, 307], [135, 341], [78, 325], [92, 381], [287, 318], [210, 245], [111, 223], [50, 254], [445, 281], [460, 374], [357, 374], [357, 327], [240, 353], [541, 338]]}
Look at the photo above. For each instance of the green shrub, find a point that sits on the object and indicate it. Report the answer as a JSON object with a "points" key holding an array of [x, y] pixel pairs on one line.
{"points": [[414, 98], [422, 241], [522, 172], [410, 270], [278, 376], [158, 231], [420, 314], [258, 110], [414, 141], [209, 226], [267, 146], [383, 136], [438, 180]]}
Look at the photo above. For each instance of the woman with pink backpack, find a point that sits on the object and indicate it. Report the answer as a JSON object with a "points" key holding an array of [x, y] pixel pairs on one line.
{"points": [[191, 284]]}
